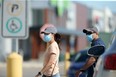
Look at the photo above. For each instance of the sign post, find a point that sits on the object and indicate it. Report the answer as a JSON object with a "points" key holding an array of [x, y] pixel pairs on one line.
{"points": [[14, 21], [14, 26]]}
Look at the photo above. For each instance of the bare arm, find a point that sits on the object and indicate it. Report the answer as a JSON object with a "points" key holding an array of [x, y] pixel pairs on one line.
{"points": [[88, 63], [51, 63]]}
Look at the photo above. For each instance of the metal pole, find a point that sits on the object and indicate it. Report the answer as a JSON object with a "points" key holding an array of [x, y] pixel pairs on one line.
{"points": [[14, 61], [15, 45]]}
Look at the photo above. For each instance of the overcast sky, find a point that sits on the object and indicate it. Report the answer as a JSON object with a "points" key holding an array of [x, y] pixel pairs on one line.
{"points": [[99, 4]]}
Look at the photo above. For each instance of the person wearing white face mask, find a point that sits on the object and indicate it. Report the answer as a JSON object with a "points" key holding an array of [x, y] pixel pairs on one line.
{"points": [[50, 65], [93, 37]]}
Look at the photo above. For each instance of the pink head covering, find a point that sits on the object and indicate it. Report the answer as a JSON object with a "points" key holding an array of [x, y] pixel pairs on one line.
{"points": [[43, 28]]}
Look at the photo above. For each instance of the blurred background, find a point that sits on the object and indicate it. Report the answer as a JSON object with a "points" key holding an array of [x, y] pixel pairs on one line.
{"points": [[70, 17]]}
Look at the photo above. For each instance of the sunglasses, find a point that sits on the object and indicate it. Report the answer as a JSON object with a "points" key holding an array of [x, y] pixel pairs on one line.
{"points": [[89, 32]]}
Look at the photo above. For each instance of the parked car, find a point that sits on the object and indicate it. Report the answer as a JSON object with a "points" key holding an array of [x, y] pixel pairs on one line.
{"points": [[106, 64], [77, 61]]}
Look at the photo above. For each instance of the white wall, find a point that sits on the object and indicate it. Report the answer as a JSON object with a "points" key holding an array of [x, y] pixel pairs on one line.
{"points": [[5, 44], [29, 19], [71, 19], [108, 14], [39, 4], [0, 15], [100, 15], [103, 19]]}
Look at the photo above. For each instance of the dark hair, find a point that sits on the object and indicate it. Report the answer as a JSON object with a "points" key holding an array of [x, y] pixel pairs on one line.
{"points": [[58, 39]]}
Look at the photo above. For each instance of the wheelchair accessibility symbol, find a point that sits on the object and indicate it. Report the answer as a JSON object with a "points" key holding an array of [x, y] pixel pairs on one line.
{"points": [[14, 25]]}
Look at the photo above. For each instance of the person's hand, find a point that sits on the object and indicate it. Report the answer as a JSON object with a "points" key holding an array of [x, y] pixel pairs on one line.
{"points": [[37, 75], [78, 72]]}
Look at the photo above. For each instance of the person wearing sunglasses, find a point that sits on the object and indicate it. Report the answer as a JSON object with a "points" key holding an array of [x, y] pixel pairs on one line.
{"points": [[92, 35], [51, 59]]}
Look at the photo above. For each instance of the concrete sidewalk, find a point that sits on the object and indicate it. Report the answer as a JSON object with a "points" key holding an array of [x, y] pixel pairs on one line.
{"points": [[31, 63], [30, 68]]}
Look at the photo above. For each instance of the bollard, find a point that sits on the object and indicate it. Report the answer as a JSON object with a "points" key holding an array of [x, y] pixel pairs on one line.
{"points": [[67, 63], [14, 65]]}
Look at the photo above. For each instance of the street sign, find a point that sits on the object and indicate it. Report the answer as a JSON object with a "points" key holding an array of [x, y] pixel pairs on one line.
{"points": [[14, 19]]}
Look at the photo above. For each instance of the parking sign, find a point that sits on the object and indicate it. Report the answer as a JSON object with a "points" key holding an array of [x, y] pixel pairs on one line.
{"points": [[14, 19]]}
